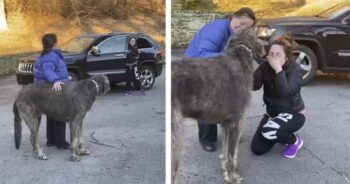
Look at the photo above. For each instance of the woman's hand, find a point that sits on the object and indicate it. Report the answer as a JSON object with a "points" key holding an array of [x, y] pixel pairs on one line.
{"points": [[275, 63], [57, 86]]}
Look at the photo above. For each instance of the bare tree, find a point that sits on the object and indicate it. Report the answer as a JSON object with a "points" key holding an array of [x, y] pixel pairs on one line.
{"points": [[3, 20], [298, 2]]}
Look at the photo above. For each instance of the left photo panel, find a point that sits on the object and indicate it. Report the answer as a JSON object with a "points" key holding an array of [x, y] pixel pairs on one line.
{"points": [[82, 96]]}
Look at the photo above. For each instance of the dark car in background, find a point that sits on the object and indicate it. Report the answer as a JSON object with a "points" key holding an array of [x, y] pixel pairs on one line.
{"points": [[93, 54], [324, 39]]}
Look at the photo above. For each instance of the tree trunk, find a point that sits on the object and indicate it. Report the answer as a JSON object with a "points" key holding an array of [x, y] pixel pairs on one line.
{"points": [[3, 21]]}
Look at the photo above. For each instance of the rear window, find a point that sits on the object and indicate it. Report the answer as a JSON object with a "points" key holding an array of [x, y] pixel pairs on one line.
{"points": [[143, 43]]}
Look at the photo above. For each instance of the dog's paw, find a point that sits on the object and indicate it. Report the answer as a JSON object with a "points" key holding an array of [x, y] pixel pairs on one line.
{"points": [[234, 179], [84, 152], [237, 178], [75, 158], [42, 157], [223, 166]]}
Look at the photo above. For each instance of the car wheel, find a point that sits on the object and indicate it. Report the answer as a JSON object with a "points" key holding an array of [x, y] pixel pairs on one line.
{"points": [[112, 85], [306, 58], [147, 76], [72, 76]]}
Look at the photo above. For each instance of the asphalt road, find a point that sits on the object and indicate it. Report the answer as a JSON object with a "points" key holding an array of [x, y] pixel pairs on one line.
{"points": [[133, 127], [324, 158]]}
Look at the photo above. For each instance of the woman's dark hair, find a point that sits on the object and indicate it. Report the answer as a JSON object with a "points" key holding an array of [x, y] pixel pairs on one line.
{"points": [[129, 46], [49, 40], [245, 11], [288, 44]]}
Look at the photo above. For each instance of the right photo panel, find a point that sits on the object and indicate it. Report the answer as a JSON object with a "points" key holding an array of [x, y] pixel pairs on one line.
{"points": [[260, 91]]}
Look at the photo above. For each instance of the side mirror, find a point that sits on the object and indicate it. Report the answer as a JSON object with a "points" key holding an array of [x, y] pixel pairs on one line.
{"points": [[95, 51]]}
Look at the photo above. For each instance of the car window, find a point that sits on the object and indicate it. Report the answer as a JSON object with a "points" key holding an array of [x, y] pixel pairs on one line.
{"points": [[346, 20], [335, 11], [76, 45], [143, 43], [114, 44]]}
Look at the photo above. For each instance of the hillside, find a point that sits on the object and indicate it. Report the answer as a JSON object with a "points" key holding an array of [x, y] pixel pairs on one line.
{"points": [[29, 20]]}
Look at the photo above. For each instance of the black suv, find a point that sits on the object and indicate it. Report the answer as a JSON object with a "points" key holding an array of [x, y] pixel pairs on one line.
{"points": [[324, 39], [92, 54]]}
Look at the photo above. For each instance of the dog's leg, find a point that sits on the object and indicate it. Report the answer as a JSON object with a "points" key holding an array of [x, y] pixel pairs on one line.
{"points": [[224, 143], [33, 124], [74, 127], [82, 150], [176, 144], [232, 131]]}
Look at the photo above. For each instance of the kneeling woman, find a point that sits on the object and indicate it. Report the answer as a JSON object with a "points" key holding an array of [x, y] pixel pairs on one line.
{"points": [[281, 78]]}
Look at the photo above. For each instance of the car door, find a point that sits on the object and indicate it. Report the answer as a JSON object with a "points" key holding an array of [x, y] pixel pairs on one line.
{"points": [[111, 58], [343, 44], [336, 44]]}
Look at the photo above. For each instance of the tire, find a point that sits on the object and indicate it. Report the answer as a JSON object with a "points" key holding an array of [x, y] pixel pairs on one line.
{"points": [[306, 58], [112, 85], [147, 76], [73, 76]]}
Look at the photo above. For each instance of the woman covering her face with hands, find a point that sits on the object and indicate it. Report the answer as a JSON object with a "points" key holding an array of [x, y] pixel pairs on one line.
{"points": [[281, 78]]}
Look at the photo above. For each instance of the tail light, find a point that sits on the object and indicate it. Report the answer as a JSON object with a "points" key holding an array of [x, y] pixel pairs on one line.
{"points": [[161, 53]]}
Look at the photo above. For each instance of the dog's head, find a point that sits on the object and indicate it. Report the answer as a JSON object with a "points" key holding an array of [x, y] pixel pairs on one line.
{"points": [[102, 84], [248, 40]]}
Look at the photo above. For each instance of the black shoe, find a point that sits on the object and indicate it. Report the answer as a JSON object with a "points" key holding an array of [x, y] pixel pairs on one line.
{"points": [[50, 144], [210, 147], [63, 146]]}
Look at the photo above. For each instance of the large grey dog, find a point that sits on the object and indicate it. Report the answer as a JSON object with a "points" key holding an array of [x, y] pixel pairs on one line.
{"points": [[69, 105], [215, 90]]}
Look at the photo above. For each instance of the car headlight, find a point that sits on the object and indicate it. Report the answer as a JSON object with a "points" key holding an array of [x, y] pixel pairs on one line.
{"points": [[265, 31]]}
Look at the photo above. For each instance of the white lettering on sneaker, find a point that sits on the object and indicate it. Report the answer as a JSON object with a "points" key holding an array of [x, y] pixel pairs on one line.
{"points": [[270, 135]]}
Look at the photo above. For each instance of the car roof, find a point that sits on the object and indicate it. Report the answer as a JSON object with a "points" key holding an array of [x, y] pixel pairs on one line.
{"points": [[112, 34]]}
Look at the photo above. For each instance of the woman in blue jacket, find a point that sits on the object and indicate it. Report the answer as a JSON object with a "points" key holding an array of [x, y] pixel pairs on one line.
{"points": [[210, 41], [50, 67]]}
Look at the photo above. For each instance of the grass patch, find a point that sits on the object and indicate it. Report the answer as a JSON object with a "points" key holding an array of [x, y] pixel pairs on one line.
{"points": [[9, 64]]}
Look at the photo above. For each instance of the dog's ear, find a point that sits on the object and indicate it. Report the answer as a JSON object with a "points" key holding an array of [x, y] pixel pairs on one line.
{"points": [[252, 32], [231, 42], [261, 52], [103, 83], [248, 31]]}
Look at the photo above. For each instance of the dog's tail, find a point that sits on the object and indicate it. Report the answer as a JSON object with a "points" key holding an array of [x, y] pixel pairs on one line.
{"points": [[18, 126]]}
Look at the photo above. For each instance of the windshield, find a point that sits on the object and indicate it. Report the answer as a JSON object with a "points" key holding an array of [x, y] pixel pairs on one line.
{"points": [[77, 45], [335, 11]]}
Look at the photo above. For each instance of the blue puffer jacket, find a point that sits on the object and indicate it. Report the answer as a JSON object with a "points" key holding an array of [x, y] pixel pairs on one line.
{"points": [[210, 40], [51, 68]]}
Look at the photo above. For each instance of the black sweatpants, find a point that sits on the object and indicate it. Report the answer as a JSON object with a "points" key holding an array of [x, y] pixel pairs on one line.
{"points": [[278, 129], [207, 132], [55, 132], [132, 77]]}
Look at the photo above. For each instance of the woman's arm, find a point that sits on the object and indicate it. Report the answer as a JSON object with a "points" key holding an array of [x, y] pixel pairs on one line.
{"points": [[208, 47], [213, 36], [289, 85]]}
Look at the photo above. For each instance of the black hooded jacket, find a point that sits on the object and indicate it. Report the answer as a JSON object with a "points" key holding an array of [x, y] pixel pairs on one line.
{"points": [[281, 90], [132, 56]]}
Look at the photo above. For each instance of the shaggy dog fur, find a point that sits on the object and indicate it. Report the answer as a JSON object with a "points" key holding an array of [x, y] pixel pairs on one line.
{"points": [[69, 105], [215, 90]]}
